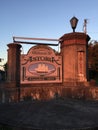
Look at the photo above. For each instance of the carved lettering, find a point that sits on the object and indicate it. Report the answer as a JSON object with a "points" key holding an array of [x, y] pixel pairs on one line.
{"points": [[38, 58]]}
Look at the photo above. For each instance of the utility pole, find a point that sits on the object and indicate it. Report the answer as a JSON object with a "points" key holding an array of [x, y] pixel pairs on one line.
{"points": [[85, 26]]}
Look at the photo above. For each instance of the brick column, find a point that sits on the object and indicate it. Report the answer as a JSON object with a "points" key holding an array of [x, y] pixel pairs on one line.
{"points": [[14, 64], [74, 53]]}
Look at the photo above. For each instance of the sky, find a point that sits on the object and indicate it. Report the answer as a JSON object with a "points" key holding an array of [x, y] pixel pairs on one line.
{"points": [[44, 19]]}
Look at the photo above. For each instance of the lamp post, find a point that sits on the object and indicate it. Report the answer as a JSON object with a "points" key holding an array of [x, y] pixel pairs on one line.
{"points": [[73, 23]]}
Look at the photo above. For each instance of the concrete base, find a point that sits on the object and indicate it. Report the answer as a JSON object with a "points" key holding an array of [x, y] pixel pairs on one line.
{"points": [[44, 92]]}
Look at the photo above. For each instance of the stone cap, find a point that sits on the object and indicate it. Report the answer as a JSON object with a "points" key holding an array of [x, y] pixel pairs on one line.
{"points": [[75, 38], [14, 45], [74, 35]]}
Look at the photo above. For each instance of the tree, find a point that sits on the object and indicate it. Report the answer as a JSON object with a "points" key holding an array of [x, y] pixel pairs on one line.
{"points": [[5, 69], [93, 55], [93, 59]]}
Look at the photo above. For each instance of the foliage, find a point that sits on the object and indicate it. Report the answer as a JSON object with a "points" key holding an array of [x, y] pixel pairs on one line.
{"points": [[4, 73], [93, 59], [93, 56]]}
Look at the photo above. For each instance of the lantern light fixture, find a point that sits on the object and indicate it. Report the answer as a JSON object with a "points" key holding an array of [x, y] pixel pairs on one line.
{"points": [[73, 23]]}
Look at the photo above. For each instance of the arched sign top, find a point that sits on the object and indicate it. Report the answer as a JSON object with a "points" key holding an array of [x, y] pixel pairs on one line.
{"points": [[41, 50]]}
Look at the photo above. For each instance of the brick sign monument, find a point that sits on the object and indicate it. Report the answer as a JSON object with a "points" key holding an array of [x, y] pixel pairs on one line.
{"points": [[43, 72]]}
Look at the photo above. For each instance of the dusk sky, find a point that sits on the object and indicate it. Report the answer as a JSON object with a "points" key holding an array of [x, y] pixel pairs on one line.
{"points": [[44, 19]]}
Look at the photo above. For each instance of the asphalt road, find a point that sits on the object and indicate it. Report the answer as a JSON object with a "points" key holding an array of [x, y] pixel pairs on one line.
{"points": [[57, 114]]}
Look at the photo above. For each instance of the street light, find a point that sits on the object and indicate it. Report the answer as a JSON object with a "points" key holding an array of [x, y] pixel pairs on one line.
{"points": [[73, 23]]}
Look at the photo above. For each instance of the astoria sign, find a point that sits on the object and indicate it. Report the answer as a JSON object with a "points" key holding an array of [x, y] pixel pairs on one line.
{"points": [[41, 65]]}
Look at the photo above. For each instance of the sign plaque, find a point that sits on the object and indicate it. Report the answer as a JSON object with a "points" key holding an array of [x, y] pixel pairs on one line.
{"points": [[41, 65]]}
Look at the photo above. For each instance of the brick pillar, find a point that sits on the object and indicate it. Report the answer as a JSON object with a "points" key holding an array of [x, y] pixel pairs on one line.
{"points": [[74, 53], [14, 64]]}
